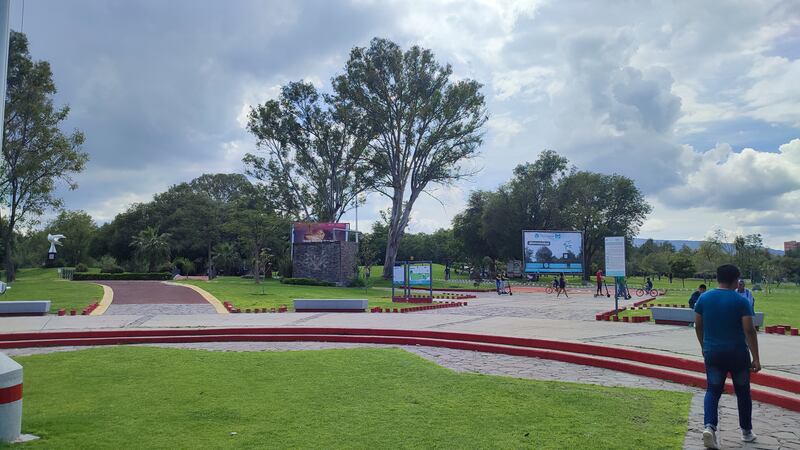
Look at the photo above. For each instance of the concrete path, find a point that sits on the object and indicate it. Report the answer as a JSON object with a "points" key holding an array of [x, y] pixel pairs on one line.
{"points": [[776, 427]]}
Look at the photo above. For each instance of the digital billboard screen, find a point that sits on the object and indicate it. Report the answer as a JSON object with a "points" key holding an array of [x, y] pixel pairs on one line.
{"points": [[552, 251]]}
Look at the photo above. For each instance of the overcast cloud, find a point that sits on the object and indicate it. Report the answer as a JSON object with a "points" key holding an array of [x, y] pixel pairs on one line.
{"points": [[697, 101]]}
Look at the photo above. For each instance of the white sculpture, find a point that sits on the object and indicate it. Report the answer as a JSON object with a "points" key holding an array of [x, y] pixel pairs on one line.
{"points": [[54, 239]]}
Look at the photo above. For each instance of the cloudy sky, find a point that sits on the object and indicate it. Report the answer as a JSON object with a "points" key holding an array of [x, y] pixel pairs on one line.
{"points": [[699, 102]]}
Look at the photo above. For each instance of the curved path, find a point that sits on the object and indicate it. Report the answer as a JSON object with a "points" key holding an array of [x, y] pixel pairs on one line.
{"points": [[152, 298], [777, 428]]}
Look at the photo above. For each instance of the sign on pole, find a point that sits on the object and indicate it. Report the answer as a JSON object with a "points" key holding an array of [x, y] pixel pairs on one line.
{"points": [[615, 256], [419, 275]]}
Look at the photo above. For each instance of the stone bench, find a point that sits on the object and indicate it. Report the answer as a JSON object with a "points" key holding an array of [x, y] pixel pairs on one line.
{"points": [[330, 305], [24, 308], [685, 316]]}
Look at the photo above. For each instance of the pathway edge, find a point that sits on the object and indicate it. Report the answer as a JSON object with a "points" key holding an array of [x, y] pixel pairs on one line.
{"points": [[214, 301], [105, 302]]}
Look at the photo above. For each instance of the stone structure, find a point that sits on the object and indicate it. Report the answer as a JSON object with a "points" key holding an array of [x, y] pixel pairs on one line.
{"points": [[333, 261]]}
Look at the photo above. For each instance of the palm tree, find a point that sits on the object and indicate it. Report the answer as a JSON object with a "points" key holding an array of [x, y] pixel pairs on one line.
{"points": [[226, 257], [151, 247]]}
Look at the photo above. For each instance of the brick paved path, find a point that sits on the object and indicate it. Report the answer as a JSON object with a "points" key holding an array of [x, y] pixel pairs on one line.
{"points": [[776, 427], [153, 298]]}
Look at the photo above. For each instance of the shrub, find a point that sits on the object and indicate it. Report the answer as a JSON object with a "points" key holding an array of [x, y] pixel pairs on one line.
{"points": [[356, 282], [285, 267], [109, 265], [307, 282], [81, 267], [185, 266], [122, 276], [165, 267]]}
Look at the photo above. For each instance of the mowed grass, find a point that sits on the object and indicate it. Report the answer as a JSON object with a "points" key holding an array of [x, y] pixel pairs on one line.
{"points": [[245, 293], [780, 306], [136, 397], [44, 284]]}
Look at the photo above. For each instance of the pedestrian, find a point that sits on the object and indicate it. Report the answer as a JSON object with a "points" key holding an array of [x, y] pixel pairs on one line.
{"points": [[598, 277], [696, 295], [724, 327], [670, 278], [498, 284], [562, 286], [446, 272], [746, 293]]}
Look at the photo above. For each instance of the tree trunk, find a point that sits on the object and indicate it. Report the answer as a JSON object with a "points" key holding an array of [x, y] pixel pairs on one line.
{"points": [[8, 250], [397, 226], [256, 266]]}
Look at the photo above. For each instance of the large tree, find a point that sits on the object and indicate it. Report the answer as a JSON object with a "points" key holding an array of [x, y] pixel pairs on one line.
{"points": [[37, 155], [601, 205], [423, 124], [79, 229], [316, 154]]}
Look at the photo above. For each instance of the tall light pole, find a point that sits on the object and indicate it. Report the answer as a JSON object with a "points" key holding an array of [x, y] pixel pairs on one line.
{"points": [[5, 12]]}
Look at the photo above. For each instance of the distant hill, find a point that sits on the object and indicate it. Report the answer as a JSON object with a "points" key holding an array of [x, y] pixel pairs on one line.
{"points": [[694, 245]]}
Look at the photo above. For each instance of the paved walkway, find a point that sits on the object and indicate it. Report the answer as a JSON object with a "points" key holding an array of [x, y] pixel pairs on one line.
{"points": [[776, 427], [151, 298]]}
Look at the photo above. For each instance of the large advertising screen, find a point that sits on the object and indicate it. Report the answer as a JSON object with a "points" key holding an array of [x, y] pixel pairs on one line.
{"points": [[552, 251], [319, 231]]}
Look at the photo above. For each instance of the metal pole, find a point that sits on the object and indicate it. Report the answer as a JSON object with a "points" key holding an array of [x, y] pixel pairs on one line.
{"points": [[5, 12]]}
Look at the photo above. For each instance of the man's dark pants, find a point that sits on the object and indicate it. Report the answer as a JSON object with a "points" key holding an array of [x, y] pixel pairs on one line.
{"points": [[718, 365]]}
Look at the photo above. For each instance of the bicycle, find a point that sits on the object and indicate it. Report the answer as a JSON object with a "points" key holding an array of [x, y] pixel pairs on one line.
{"points": [[643, 290]]}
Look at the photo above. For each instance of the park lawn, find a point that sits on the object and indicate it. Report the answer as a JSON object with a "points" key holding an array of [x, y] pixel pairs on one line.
{"points": [[44, 284], [143, 397], [245, 293], [781, 306]]}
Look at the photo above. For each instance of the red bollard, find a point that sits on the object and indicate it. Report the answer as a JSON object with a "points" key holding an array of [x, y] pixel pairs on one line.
{"points": [[626, 319], [72, 312], [616, 318], [395, 310], [62, 311], [794, 332]]}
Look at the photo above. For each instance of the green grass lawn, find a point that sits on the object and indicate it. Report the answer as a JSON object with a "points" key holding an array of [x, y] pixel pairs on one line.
{"points": [[245, 293], [136, 397], [780, 306], [44, 284]]}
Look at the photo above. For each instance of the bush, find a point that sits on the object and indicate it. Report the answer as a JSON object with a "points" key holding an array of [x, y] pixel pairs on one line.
{"points": [[185, 266], [165, 267], [130, 276], [356, 282], [285, 267], [81, 267], [307, 282], [109, 265]]}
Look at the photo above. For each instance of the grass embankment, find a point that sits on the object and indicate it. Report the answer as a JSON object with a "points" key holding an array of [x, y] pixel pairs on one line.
{"points": [[780, 305], [357, 398], [44, 284], [245, 293]]}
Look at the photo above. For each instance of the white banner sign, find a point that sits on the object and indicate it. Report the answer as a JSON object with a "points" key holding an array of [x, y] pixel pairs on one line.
{"points": [[615, 256], [399, 275]]}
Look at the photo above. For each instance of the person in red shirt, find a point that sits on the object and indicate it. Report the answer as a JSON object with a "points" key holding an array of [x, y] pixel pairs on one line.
{"points": [[599, 278]]}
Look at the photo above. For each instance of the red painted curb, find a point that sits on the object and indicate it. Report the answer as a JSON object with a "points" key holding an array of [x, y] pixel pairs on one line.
{"points": [[10, 394]]}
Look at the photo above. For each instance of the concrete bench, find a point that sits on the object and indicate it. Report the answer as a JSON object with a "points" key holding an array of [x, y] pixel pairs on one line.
{"points": [[24, 308], [330, 305], [685, 316]]}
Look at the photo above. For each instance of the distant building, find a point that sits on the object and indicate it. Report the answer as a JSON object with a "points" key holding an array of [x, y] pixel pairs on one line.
{"points": [[790, 245]]}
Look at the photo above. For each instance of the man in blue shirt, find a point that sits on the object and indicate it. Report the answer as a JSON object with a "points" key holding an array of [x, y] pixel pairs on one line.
{"points": [[724, 327], [746, 293]]}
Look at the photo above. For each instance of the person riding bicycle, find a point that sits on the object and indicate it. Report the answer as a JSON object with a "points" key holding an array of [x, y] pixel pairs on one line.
{"points": [[555, 283], [648, 285]]}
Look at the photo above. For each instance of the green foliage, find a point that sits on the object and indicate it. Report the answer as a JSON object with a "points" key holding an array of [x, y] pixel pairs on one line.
{"points": [[109, 265], [183, 265], [342, 395], [306, 282], [681, 266], [316, 149], [79, 229], [81, 267], [424, 125], [36, 155], [151, 247], [356, 282], [126, 276]]}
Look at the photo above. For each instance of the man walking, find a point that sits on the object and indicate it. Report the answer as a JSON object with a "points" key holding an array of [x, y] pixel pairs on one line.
{"points": [[562, 286], [746, 293], [724, 327]]}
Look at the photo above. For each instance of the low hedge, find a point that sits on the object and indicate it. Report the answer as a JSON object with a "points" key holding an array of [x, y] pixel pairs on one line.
{"points": [[122, 276], [307, 282]]}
